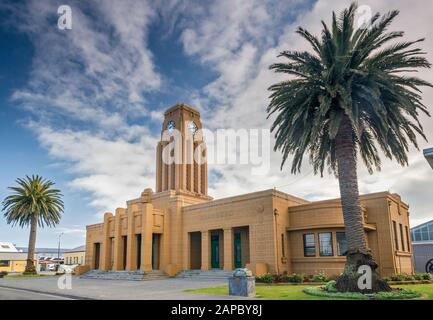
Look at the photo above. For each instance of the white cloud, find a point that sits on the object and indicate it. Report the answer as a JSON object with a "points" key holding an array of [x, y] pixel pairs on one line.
{"points": [[99, 74]]}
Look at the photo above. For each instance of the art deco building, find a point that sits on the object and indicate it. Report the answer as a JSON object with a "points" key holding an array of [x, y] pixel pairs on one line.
{"points": [[180, 227]]}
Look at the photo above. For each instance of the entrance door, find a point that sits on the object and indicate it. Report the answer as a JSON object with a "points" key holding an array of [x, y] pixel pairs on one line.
{"points": [[138, 239], [215, 251], [155, 251], [238, 250], [97, 253]]}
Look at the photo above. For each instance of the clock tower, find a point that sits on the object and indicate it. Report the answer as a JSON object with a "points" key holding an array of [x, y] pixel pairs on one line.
{"points": [[181, 153]]}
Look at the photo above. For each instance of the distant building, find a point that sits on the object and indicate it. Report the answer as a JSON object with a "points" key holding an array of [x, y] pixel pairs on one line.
{"points": [[11, 259], [428, 154], [46, 252], [75, 256], [422, 244]]}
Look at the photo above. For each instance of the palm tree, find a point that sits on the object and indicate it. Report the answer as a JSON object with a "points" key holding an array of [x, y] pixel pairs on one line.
{"points": [[33, 202], [349, 97]]}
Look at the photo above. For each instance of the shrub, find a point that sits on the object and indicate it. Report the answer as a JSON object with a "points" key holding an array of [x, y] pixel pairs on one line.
{"points": [[320, 277], [3, 273], [265, 278], [295, 278], [330, 286], [423, 276]]}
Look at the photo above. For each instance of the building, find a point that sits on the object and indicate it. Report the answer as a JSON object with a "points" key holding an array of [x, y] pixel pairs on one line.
{"points": [[422, 244], [75, 256], [46, 252], [11, 259], [180, 227], [428, 154]]}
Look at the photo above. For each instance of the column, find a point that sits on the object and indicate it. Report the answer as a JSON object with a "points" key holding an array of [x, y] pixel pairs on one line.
{"points": [[158, 167], [118, 246], [164, 175], [228, 249], [131, 257], [106, 244], [205, 250], [146, 237], [197, 169]]}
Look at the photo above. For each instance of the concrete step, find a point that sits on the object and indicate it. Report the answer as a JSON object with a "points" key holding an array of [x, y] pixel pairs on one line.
{"points": [[124, 275], [205, 275]]}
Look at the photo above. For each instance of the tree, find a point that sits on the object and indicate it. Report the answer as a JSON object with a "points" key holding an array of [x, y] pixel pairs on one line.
{"points": [[33, 202], [349, 97]]}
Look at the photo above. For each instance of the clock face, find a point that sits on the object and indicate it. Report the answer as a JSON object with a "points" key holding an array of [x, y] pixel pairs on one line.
{"points": [[171, 126], [192, 127]]}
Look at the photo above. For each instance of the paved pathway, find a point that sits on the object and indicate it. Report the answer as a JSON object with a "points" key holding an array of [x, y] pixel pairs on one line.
{"points": [[19, 294], [165, 289]]}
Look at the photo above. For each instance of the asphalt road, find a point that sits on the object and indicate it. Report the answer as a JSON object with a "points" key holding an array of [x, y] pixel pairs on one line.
{"points": [[20, 294]]}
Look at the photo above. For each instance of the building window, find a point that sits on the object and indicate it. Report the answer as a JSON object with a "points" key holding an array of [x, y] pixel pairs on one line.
{"points": [[394, 226], [325, 244], [402, 237], [283, 251], [4, 263], [309, 245], [341, 244], [407, 238]]}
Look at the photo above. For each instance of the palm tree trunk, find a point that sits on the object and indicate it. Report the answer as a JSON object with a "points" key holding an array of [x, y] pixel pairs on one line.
{"points": [[30, 267], [358, 252]]}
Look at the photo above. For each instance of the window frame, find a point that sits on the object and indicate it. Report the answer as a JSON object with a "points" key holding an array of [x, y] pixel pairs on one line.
{"points": [[394, 227], [407, 238], [336, 239], [304, 236], [331, 244], [402, 238]]}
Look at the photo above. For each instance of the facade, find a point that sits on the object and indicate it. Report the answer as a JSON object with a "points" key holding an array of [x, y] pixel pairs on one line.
{"points": [[422, 243], [12, 260], [75, 256], [180, 227]]}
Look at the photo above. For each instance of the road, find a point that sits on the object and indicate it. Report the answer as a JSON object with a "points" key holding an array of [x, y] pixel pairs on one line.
{"points": [[20, 294]]}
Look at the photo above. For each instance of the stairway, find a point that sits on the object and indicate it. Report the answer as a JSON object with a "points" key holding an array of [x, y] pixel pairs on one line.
{"points": [[215, 274], [124, 275]]}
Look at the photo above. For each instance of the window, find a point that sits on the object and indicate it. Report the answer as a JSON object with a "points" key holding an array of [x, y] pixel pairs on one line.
{"points": [[5, 246], [407, 238], [394, 225], [4, 263], [309, 245], [402, 238], [325, 244], [341, 244], [282, 245]]}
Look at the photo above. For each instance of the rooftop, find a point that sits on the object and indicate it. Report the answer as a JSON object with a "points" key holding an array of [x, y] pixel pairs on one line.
{"points": [[428, 154]]}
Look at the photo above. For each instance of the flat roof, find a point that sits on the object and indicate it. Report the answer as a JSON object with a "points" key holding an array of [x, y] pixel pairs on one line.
{"points": [[428, 154]]}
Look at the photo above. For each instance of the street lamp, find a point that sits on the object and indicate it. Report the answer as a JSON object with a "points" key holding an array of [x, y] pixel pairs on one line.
{"points": [[428, 154]]}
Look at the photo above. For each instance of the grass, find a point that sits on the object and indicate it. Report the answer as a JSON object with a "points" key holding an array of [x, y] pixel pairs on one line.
{"points": [[295, 292]]}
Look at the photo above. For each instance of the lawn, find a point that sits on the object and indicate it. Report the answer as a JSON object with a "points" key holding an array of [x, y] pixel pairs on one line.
{"points": [[294, 292]]}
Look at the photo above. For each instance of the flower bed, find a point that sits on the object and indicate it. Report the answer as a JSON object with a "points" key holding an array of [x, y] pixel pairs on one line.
{"points": [[330, 291]]}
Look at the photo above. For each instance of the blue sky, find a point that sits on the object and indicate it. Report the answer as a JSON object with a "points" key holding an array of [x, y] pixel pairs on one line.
{"points": [[83, 107]]}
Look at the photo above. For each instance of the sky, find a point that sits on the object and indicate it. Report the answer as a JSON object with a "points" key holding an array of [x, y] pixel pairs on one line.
{"points": [[83, 107]]}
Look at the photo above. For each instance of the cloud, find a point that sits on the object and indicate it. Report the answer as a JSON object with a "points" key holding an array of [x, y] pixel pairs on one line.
{"points": [[88, 89], [243, 103]]}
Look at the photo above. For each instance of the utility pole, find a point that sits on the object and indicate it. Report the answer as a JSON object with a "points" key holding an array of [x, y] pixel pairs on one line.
{"points": [[58, 250]]}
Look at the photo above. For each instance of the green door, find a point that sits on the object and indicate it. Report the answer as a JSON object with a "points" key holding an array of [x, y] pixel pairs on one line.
{"points": [[238, 250], [215, 252]]}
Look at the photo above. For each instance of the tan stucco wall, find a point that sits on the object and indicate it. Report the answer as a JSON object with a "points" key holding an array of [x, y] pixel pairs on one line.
{"points": [[267, 215]]}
